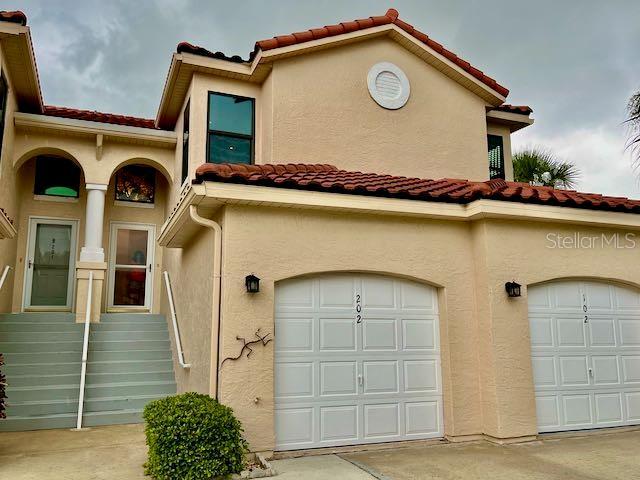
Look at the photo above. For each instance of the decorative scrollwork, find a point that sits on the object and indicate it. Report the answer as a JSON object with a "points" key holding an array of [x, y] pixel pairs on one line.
{"points": [[263, 339]]}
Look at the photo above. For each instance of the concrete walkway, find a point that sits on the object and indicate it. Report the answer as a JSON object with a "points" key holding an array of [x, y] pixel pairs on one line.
{"points": [[118, 453], [612, 456]]}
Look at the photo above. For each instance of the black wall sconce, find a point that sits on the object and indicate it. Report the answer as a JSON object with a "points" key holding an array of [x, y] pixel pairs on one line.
{"points": [[512, 288], [252, 283]]}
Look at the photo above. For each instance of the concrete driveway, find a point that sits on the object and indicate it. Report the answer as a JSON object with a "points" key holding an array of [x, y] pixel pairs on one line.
{"points": [[608, 456]]}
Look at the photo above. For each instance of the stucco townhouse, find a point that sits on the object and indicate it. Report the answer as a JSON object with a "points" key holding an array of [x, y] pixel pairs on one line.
{"points": [[428, 297]]}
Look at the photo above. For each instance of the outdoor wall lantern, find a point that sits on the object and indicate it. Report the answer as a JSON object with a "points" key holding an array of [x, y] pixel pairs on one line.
{"points": [[512, 288], [252, 283]]}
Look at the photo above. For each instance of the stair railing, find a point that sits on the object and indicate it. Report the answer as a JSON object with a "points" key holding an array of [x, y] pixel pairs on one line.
{"points": [[174, 320], [5, 272], [85, 348]]}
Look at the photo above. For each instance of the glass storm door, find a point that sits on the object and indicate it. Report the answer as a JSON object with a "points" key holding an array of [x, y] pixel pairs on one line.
{"points": [[50, 264], [130, 265]]}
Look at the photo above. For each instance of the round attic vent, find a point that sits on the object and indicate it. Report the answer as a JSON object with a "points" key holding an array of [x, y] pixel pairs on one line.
{"points": [[388, 85]]}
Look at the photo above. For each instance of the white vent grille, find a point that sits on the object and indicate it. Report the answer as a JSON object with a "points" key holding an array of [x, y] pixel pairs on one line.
{"points": [[388, 85]]}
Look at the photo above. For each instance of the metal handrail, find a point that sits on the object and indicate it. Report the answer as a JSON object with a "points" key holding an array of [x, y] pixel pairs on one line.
{"points": [[5, 272], [85, 348], [174, 320]]}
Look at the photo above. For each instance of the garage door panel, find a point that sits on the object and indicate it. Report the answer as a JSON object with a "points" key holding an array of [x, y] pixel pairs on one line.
{"points": [[337, 292], [605, 370], [294, 379], [379, 334], [339, 423], [544, 371], [608, 407], [570, 332], [380, 377], [598, 296], [378, 292], [373, 381], [421, 376], [337, 334], [586, 356], [539, 298], [541, 331], [294, 426], [629, 332], [338, 378], [419, 334], [577, 409], [295, 335], [423, 418], [602, 332], [574, 370], [382, 421], [633, 405]]}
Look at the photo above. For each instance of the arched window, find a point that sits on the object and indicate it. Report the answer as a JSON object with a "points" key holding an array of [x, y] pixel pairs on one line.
{"points": [[57, 177]]}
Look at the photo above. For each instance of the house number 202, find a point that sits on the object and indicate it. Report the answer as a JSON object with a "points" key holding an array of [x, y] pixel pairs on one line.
{"points": [[358, 309]]}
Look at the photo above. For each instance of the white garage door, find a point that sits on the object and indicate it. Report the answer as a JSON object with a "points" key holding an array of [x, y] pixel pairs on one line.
{"points": [[357, 361], [585, 342]]}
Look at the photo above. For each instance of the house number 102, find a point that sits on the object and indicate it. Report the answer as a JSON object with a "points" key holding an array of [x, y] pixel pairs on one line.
{"points": [[358, 309]]}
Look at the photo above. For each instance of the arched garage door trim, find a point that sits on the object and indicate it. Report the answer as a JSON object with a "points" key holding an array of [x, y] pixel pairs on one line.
{"points": [[357, 360]]}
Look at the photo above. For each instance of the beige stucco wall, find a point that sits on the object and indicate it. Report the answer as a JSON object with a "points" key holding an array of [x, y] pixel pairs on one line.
{"points": [[8, 194], [487, 378], [190, 269]]}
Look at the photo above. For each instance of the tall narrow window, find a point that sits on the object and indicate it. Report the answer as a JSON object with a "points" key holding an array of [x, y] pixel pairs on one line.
{"points": [[3, 107], [230, 129], [185, 142], [496, 156]]}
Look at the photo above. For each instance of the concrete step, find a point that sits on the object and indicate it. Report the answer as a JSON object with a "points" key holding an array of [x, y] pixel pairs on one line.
{"points": [[43, 380], [54, 407], [128, 326], [58, 317], [132, 355], [41, 347], [129, 377], [131, 317], [126, 345], [68, 420], [114, 335], [20, 326], [71, 392], [41, 358], [42, 368], [43, 393], [37, 337], [131, 366]]}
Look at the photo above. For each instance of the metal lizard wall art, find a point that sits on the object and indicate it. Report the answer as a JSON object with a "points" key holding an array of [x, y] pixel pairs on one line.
{"points": [[247, 345]]}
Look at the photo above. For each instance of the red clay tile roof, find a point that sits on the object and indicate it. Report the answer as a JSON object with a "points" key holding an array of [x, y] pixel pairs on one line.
{"points": [[391, 17], [327, 178], [519, 109], [101, 117], [187, 47], [14, 17]]}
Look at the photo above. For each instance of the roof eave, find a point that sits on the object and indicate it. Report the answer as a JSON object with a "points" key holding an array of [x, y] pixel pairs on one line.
{"points": [[23, 71], [515, 121]]}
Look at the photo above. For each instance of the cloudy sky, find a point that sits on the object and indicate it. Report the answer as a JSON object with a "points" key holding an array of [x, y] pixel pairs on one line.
{"points": [[576, 62]]}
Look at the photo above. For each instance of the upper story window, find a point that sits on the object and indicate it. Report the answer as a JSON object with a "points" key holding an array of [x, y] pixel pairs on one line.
{"points": [[57, 177], [230, 129], [4, 90], [185, 142], [496, 156], [136, 183]]}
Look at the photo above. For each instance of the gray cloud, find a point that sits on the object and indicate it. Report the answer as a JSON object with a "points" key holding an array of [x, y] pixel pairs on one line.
{"points": [[575, 63]]}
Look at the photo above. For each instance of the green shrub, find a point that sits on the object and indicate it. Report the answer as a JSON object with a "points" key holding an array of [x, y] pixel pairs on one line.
{"points": [[192, 437]]}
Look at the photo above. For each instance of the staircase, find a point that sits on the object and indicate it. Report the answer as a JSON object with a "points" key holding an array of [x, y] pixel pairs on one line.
{"points": [[129, 365]]}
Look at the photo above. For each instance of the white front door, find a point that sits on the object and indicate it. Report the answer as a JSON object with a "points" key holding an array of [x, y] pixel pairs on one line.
{"points": [[585, 344], [131, 265], [50, 264], [357, 360]]}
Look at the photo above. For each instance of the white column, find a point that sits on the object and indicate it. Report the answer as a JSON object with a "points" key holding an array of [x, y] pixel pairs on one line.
{"points": [[92, 250]]}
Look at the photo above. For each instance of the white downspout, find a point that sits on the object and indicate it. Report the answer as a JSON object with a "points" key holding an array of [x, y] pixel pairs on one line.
{"points": [[215, 307]]}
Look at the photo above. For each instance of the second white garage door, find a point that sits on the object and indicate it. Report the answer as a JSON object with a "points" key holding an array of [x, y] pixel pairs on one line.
{"points": [[585, 343], [357, 361]]}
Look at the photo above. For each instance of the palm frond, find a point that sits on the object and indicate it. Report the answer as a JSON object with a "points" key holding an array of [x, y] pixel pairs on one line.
{"points": [[540, 166]]}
